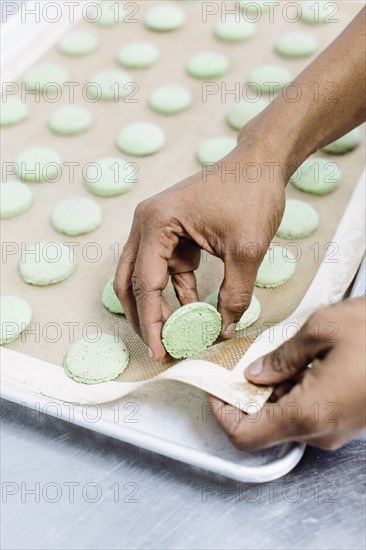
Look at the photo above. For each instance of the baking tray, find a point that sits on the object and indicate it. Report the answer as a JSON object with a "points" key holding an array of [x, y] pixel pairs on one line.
{"points": [[164, 406]]}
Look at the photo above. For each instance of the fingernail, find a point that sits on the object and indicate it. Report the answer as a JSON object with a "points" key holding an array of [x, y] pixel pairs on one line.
{"points": [[151, 354], [256, 368], [230, 330]]}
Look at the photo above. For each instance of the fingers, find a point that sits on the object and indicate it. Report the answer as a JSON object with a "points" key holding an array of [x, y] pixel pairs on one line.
{"points": [[185, 286], [290, 359], [236, 291], [149, 278]]}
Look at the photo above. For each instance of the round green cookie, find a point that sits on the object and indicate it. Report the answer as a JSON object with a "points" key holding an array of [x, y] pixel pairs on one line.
{"points": [[15, 198], [78, 42], [317, 176], [141, 139], [109, 176], [100, 358], [249, 317], [170, 99], [233, 28], [208, 65], [46, 263], [270, 77], [344, 144], [39, 77], [299, 220], [295, 44], [164, 18], [106, 13], [110, 85], [110, 299], [191, 329], [138, 54], [317, 12], [15, 317], [12, 111], [277, 267], [241, 113], [214, 149], [70, 120], [76, 216], [38, 164]]}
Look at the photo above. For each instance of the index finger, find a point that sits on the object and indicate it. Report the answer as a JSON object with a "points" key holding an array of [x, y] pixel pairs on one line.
{"points": [[149, 279]]}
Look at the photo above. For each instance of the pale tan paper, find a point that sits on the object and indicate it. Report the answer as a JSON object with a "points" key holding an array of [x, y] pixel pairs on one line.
{"points": [[63, 312]]}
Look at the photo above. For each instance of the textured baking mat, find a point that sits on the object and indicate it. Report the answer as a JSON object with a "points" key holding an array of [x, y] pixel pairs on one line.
{"points": [[63, 313]]}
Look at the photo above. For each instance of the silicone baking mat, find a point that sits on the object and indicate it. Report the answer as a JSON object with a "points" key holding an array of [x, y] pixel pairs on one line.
{"points": [[65, 312]]}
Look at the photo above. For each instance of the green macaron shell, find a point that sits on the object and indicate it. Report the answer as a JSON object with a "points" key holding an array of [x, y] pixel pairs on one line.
{"points": [[234, 29], [78, 42], [344, 144], [299, 220], [191, 329], [45, 76], [99, 359], [317, 176], [249, 317], [110, 299], [139, 54], [243, 111], [109, 176], [170, 99], [110, 85], [106, 13], [46, 263], [278, 267], [317, 12], [296, 44], [270, 77], [12, 111], [141, 139], [38, 163], [206, 65], [70, 120], [214, 149], [76, 216], [15, 316], [164, 18], [15, 198]]}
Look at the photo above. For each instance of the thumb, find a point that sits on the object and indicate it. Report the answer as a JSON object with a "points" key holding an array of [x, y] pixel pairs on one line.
{"points": [[236, 291], [290, 359]]}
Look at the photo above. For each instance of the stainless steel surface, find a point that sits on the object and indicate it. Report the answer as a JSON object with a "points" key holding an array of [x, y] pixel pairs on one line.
{"points": [[142, 500], [182, 429]]}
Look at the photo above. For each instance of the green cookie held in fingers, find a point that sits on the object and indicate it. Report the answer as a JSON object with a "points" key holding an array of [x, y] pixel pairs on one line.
{"points": [[249, 317], [317, 176], [344, 144], [110, 299], [191, 329], [299, 220], [70, 120], [46, 263], [79, 42], [164, 18], [15, 317], [12, 111], [278, 267], [100, 358], [141, 139], [15, 198]]}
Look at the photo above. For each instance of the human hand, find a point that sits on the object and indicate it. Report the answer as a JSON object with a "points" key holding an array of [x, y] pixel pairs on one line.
{"points": [[323, 405], [220, 210]]}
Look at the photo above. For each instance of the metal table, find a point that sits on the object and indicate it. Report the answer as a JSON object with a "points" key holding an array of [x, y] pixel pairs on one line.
{"points": [[67, 487]]}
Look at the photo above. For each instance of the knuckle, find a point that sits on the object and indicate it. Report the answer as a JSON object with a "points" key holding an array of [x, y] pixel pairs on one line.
{"points": [[235, 302]]}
